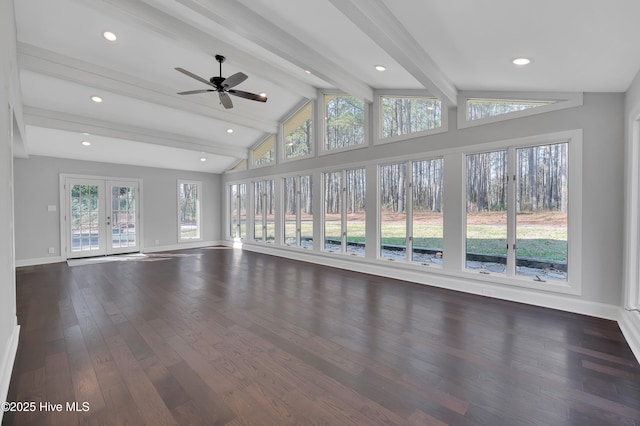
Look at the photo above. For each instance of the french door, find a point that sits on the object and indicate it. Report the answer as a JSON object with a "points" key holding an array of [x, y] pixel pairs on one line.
{"points": [[101, 217]]}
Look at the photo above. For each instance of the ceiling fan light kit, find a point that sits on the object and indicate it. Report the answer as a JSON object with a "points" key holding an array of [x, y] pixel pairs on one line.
{"points": [[222, 85]]}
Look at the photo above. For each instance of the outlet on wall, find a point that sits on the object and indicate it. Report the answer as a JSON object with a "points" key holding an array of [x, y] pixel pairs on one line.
{"points": [[52, 250], [157, 242]]}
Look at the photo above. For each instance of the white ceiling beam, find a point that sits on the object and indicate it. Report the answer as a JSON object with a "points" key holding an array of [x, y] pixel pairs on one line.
{"points": [[378, 23], [148, 17], [255, 28], [60, 66], [74, 123]]}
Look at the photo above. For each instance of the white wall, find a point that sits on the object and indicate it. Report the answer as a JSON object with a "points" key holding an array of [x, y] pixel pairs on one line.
{"points": [[37, 186], [9, 96], [601, 119]]}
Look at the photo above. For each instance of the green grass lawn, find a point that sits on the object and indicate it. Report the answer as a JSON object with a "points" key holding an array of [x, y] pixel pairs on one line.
{"points": [[537, 241]]}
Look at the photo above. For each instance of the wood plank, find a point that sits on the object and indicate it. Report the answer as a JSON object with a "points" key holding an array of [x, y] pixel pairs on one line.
{"points": [[239, 338]]}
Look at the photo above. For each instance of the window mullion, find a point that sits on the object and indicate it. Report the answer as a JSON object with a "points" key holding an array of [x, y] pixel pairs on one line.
{"points": [[343, 200], [511, 211], [408, 196]]}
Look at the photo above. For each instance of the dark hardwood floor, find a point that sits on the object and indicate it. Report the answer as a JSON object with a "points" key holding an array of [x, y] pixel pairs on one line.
{"points": [[222, 337]]}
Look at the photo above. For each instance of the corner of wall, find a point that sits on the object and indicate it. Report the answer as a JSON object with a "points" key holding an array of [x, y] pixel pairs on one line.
{"points": [[629, 323], [6, 364]]}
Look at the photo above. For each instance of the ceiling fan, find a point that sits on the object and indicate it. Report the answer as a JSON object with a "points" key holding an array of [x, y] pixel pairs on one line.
{"points": [[222, 85]]}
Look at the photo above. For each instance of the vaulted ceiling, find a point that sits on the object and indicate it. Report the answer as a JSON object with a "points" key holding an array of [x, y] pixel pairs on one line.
{"points": [[442, 47]]}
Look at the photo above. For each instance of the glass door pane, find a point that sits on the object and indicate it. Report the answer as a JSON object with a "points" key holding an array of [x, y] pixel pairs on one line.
{"points": [[123, 217], [86, 222], [486, 221], [542, 195]]}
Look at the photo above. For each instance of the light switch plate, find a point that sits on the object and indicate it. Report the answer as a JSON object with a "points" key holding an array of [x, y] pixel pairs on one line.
{"points": [[52, 208]]}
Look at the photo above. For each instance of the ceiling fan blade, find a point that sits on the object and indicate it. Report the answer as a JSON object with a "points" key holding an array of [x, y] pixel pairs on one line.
{"points": [[248, 95], [234, 80], [225, 100], [192, 75], [193, 92]]}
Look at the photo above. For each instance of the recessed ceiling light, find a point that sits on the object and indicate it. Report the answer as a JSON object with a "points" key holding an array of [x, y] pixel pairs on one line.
{"points": [[86, 134], [109, 36], [381, 68], [522, 61], [262, 94], [203, 159], [229, 130], [307, 71], [86, 143], [96, 99]]}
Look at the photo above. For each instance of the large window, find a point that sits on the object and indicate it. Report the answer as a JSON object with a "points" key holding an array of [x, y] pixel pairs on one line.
{"points": [[298, 211], [519, 226], [238, 211], [344, 213], [264, 211], [265, 152], [411, 222], [189, 210], [298, 133], [408, 115], [344, 121]]}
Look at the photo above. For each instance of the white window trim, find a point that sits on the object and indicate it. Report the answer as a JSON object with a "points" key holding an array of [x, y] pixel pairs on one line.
{"points": [[320, 118], [632, 211], [200, 230], [408, 260], [564, 100], [574, 232], [281, 156], [377, 119]]}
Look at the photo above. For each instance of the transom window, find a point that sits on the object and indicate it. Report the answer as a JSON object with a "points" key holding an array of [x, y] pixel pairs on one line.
{"points": [[344, 121], [298, 133], [408, 115], [265, 152], [479, 108]]}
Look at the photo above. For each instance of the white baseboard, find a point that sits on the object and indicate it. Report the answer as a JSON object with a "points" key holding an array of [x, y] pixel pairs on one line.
{"points": [[629, 323], [559, 301], [6, 367], [181, 246], [39, 261], [154, 249]]}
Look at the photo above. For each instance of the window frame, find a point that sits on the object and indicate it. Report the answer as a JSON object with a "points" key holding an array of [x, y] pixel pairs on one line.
{"points": [[321, 118], [297, 179], [562, 100], [198, 185], [573, 285], [378, 119], [281, 152], [409, 204], [344, 191], [252, 150]]}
